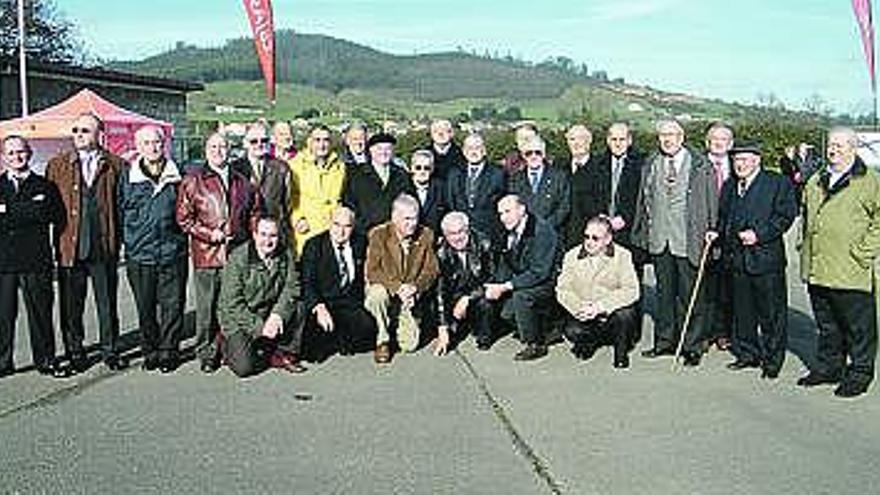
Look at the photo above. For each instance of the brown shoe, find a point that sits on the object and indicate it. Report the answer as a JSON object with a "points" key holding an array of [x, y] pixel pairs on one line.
{"points": [[382, 355], [287, 362]]}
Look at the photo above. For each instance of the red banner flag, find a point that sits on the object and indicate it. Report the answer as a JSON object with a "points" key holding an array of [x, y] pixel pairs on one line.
{"points": [[862, 8], [260, 15]]}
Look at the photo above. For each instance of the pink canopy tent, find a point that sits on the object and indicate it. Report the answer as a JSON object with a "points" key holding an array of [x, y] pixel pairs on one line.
{"points": [[48, 131]]}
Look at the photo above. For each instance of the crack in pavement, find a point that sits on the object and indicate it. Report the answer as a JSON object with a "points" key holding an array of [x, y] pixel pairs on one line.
{"points": [[56, 396], [539, 466]]}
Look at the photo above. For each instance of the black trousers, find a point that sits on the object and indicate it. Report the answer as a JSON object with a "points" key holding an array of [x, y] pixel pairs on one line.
{"points": [[248, 355], [162, 288], [354, 331], [207, 289], [525, 308], [477, 321], [37, 291], [617, 329], [760, 301], [675, 280], [72, 288], [718, 302], [847, 321]]}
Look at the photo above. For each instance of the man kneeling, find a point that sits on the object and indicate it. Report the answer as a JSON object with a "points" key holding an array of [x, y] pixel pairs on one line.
{"points": [[599, 288], [260, 305]]}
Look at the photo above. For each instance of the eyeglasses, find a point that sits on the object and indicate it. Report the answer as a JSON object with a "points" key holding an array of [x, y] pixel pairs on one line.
{"points": [[593, 237], [259, 141], [528, 153], [422, 168], [81, 130]]}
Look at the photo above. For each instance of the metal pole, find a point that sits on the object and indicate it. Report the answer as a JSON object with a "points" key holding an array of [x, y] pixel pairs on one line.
{"points": [[22, 61]]}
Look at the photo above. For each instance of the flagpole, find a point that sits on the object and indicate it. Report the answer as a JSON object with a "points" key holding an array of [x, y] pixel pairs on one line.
{"points": [[22, 61]]}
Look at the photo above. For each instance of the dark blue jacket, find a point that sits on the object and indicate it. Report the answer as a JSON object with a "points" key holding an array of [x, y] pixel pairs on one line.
{"points": [[150, 232]]}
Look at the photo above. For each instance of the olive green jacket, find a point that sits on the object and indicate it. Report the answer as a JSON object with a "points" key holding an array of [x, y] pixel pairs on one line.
{"points": [[250, 291], [841, 229]]}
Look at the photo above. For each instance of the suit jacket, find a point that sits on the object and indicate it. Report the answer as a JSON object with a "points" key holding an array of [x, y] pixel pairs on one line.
{"points": [[480, 204], [769, 208], [457, 279], [320, 273], [591, 196], [65, 171], [552, 202], [25, 245], [432, 211], [532, 261], [364, 193], [387, 265], [443, 164]]}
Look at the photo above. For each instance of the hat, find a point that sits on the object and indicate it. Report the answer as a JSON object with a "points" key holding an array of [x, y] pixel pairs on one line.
{"points": [[382, 137], [745, 147]]}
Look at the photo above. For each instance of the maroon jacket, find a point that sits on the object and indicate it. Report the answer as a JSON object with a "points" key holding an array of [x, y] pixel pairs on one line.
{"points": [[66, 172], [204, 205]]}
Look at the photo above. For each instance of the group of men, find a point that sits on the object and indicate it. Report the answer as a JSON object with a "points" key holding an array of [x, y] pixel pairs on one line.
{"points": [[298, 254]]}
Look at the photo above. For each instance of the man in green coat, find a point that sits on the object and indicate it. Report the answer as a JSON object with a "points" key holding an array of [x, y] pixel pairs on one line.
{"points": [[260, 314], [841, 239]]}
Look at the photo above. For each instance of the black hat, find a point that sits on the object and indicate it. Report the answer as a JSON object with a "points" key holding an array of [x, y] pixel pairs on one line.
{"points": [[382, 137], [746, 147]]}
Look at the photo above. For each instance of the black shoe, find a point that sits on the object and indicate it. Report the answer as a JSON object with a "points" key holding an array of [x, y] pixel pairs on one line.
{"points": [[655, 352], [690, 358], [849, 389], [531, 352], [484, 344], [621, 362], [741, 364], [115, 363], [168, 365], [769, 374], [53, 369], [209, 365], [583, 351], [79, 363], [151, 363], [813, 379]]}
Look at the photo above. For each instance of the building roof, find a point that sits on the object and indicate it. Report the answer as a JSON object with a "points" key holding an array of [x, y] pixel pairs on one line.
{"points": [[9, 66]]}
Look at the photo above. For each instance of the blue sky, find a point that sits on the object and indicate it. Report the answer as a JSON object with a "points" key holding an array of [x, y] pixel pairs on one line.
{"points": [[735, 50]]}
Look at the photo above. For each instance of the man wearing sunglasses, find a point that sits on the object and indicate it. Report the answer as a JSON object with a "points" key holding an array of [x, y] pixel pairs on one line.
{"points": [[429, 189], [599, 289], [270, 175], [545, 189], [87, 245]]}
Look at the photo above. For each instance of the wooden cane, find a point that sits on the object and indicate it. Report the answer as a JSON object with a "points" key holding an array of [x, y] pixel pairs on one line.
{"points": [[690, 309]]}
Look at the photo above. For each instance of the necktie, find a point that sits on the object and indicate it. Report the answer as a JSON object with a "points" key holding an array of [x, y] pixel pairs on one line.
{"points": [[669, 176], [90, 167], [343, 266], [512, 239], [258, 173], [742, 187], [534, 178], [719, 175]]}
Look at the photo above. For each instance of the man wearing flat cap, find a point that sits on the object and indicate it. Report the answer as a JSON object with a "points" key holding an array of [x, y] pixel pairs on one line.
{"points": [[755, 210], [369, 190]]}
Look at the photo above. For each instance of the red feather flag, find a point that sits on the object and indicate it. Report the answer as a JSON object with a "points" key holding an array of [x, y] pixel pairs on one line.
{"points": [[862, 9], [260, 16]]}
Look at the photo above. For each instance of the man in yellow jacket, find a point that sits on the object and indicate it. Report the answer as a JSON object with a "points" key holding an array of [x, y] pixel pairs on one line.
{"points": [[318, 174]]}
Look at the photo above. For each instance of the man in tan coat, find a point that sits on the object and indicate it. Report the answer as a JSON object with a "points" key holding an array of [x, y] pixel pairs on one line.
{"points": [[401, 269], [599, 289]]}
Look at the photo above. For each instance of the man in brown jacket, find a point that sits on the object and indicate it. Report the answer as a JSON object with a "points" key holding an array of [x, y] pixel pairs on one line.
{"points": [[401, 269], [87, 244], [216, 207]]}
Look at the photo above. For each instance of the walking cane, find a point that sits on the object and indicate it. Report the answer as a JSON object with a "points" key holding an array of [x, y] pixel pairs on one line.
{"points": [[690, 309]]}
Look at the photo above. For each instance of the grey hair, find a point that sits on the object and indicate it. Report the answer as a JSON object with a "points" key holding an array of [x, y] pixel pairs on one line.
{"points": [[141, 133], [454, 218], [405, 201]]}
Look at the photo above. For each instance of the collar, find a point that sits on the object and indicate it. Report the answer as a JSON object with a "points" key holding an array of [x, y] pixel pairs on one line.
{"points": [[170, 174], [19, 175], [521, 227], [442, 150], [607, 253], [750, 178]]}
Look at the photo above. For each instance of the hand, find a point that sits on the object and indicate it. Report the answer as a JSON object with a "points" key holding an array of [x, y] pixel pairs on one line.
{"points": [[273, 326], [302, 226], [460, 310], [325, 320], [588, 312], [441, 343], [711, 236], [495, 291], [406, 291], [218, 236], [2, 207], [617, 222], [748, 237]]}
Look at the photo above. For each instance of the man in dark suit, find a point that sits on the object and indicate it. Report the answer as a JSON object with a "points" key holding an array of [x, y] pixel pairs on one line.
{"points": [[525, 274], [447, 155], [430, 189], [270, 175], [755, 211], [546, 190], [333, 290], [476, 188], [466, 263], [369, 190], [29, 204]]}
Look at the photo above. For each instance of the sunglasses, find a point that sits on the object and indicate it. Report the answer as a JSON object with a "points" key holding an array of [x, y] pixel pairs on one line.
{"points": [[259, 141], [591, 237], [81, 130], [533, 153], [422, 168]]}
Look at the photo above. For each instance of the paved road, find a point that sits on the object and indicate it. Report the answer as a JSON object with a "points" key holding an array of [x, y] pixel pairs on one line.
{"points": [[475, 423]]}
